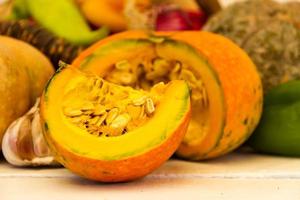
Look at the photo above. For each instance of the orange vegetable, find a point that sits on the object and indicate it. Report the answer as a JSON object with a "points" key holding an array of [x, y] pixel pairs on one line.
{"points": [[231, 103]]}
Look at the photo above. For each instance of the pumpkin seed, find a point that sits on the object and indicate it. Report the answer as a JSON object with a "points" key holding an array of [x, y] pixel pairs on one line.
{"points": [[121, 77], [121, 121], [149, 106], [139, 101], [127, 78], [99, 110], [112, 114], [94, 120], [142, 113], [101, 120], [70, 112], [123, 65], [87, 106], [98, 83]]}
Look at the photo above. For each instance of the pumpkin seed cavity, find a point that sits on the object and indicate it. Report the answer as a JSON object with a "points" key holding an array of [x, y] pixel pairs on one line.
{"points": [[145, 74], [105, 109]]}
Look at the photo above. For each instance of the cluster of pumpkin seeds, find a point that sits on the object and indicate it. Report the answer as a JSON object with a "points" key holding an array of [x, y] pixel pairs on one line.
{"points": [[148, 73], [107, 110]]}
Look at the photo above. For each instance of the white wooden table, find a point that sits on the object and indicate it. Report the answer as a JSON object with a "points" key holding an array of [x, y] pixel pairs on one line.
{"points": [[236, 176]]}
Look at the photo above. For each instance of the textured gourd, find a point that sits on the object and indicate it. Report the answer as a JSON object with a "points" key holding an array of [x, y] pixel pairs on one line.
{"points": [[24, 72], [110, 133], [269, 32], [226, 88]]}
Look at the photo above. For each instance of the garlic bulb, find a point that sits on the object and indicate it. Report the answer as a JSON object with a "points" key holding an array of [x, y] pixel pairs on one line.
{"points": [[23, 142]]}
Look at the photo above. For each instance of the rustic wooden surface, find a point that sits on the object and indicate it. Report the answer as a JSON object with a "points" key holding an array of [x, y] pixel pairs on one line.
{"points": [[236, 176]]}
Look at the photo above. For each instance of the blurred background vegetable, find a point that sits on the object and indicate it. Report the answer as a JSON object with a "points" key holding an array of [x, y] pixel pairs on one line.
{"points": [[269, 32], [62, 28], [53, 47], [24, 72], [279, 129], [173, 15]]}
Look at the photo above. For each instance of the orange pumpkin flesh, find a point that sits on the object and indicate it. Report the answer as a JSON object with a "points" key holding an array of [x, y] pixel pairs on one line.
{"points": [[241, 85], [230, 78], [124, 157]]}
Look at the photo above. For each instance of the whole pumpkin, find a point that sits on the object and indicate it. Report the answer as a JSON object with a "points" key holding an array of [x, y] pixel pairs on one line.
{"points": [[226, 87]]}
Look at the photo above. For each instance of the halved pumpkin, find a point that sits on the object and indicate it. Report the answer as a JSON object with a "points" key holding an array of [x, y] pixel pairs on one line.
{"points": [[226, 87], [112, 133]]}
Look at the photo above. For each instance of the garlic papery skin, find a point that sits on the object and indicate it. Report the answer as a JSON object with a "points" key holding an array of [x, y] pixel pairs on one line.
{"points": [[9, 148], [33, 151]]}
